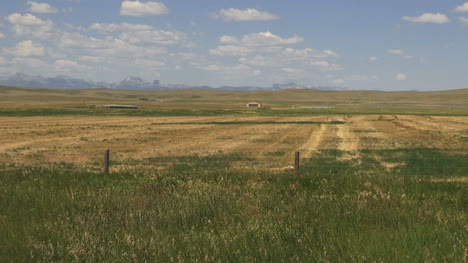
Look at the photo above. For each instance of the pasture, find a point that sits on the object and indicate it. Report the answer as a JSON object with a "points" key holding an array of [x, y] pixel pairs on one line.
{"points": [[215, 182], [253, 141]]}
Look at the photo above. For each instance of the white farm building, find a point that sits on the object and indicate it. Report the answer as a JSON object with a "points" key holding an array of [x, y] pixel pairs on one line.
{"points": [[254, 105]]}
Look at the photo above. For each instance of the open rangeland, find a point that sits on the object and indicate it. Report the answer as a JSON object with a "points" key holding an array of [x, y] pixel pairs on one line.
{"points": [[23, 99], [266, 142], [217, 184]]}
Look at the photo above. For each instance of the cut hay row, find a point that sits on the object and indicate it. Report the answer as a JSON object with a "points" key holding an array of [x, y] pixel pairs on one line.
{"points": [[82, 139]]}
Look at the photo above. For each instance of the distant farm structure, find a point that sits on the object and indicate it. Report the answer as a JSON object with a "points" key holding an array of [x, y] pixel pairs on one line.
{"points": [[111, 106], [254, 105]]}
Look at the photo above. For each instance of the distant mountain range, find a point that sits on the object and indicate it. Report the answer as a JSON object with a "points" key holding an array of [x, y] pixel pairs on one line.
{"points": [[129, 83]]}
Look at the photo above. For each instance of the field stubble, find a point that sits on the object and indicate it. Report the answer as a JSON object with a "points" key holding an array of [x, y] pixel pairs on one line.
{"points": [[189, 189], [264, 141]]}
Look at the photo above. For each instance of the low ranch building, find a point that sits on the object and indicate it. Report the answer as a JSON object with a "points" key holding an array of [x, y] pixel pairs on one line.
{"points": [[254, 105]]}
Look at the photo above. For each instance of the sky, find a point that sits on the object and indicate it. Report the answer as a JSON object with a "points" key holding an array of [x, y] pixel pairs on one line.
{"points": [[357, 44]]}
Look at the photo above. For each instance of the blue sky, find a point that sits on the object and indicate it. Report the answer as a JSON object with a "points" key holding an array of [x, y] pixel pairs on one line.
{"points": [[366, 44]]}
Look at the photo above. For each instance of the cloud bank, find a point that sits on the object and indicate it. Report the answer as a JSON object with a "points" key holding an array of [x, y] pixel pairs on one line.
{"points": [[238, 15], [143, 9]]}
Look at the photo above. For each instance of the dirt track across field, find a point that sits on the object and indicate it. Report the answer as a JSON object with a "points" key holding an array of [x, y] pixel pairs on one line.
{"points": [[262, 139]]}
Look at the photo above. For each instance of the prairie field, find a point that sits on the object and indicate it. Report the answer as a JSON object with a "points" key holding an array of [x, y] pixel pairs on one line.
{"points": [[216, 183], [253, 141]]}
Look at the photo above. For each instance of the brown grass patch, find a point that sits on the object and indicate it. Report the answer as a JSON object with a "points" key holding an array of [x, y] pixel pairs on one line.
{"points": [[82, 140]]}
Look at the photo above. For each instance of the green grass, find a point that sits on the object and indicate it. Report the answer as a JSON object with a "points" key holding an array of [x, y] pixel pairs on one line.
{"points": [[336, 211]]}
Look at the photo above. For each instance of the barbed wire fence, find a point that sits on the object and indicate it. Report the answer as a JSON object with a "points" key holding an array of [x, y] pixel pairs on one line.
{"points": [[107, 161]]}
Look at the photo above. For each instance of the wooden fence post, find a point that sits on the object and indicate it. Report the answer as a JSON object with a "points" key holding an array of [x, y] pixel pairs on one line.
{"points": [[296, 163], [106, 161]]}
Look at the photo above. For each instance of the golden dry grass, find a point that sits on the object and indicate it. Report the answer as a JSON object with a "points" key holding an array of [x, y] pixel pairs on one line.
{"points": [[82, 140], [389, 188]]}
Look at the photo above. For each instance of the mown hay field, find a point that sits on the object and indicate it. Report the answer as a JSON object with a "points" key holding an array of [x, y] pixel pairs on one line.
{"points": [[219, 186], [257, 141]]}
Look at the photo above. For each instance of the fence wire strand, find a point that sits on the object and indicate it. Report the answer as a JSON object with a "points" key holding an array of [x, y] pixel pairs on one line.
{"points": [[344, 160]]}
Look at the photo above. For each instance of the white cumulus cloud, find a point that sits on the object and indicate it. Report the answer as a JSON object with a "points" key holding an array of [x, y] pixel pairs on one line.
{"points": [[299, 60], [28, 49], [231, 50], [41, 32], [109, 48], [330, 53], [68, 65], [255, 42], [29, 62], [372, 59], [437, 18], [401, 77], [310, 53], [2, 35], [139, 33], [110, 28], [31, 26], [41, 8], [462, 8], [230, 71], [269, 39], [261, 39], [228, 40], [325, 65], [143, 9], [25, 20], [238, 15], [160, 37]]}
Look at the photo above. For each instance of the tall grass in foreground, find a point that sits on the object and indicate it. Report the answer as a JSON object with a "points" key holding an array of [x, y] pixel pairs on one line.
{"points": [[338, 211]]}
